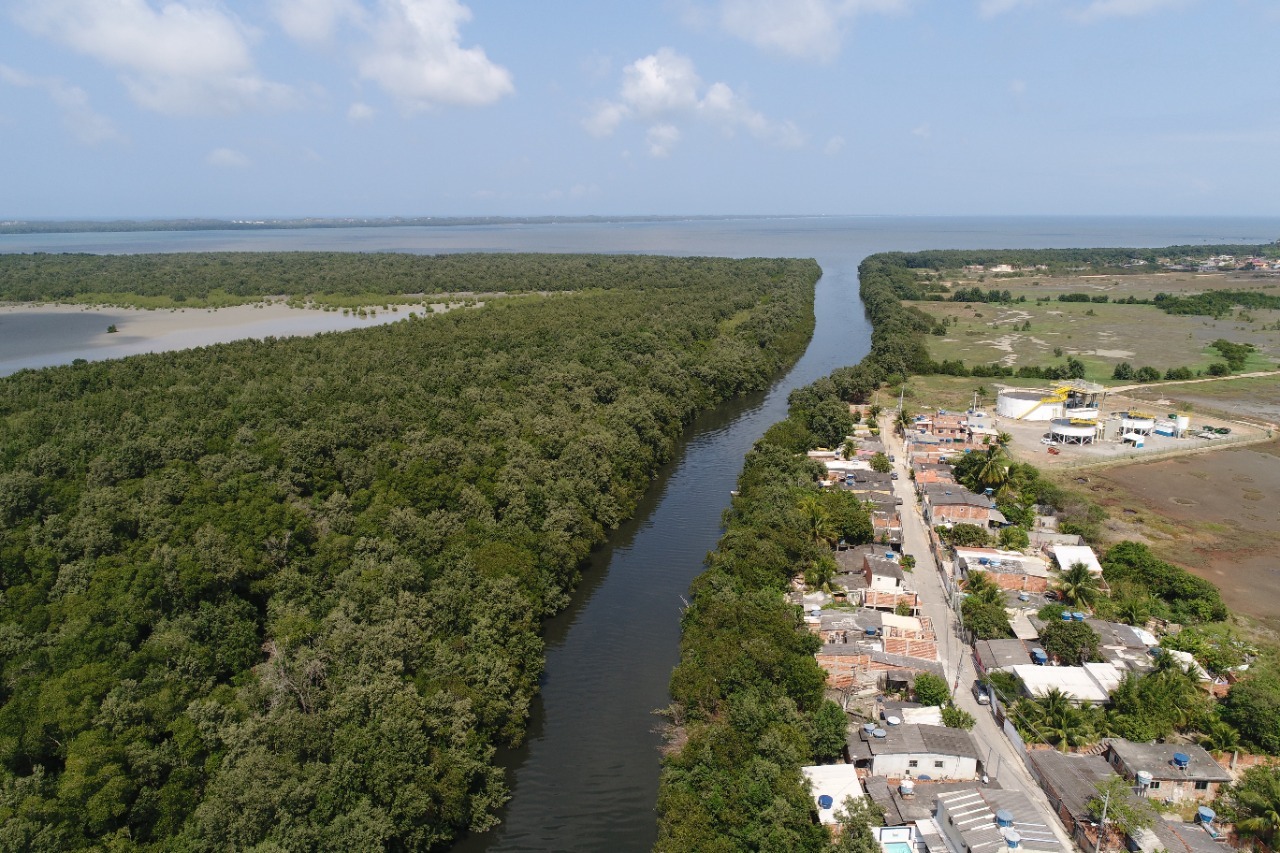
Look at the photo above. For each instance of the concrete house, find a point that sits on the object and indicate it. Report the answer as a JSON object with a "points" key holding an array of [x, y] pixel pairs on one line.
{"points": [[1007, 569], [990, 820], [1178, 772], [937, 752], [945, 506], [1070, 783]]}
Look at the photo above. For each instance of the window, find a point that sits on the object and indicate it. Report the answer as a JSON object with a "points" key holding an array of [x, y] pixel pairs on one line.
{"points": [[1202, 786], [1155, 786], [937, 764], [913, 763]]}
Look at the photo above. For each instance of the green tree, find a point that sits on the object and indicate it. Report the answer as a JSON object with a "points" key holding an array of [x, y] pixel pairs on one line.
{"points": [[1253, 707], [1078, 586], [881, 464], [1127, 812], [957, 718], [830, 731], [966, 536], [979, 586], [1255, 802], [1073, 643], [931, 689], [987, 621], [1014, 538], [857, 818]]}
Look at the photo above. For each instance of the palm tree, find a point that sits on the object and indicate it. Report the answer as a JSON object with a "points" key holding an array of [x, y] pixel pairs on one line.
{"points": [[1218, 735], [1258, 796], [994, 472], [1078, 586], [817, 521], [1003, 438], [1061, 722], [981, 587]]}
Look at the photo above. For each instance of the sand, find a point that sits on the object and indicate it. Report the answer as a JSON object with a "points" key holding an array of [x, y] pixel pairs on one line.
{"points": [[39, 335]]}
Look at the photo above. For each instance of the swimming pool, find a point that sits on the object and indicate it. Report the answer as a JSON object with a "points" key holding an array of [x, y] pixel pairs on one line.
{"points": [[897, 847]]}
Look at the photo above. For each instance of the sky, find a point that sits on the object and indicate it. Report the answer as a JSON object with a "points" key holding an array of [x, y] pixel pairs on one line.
{"points": [[288, 108]]}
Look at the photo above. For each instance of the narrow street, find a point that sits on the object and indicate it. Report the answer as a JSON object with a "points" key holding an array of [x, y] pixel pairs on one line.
{"points": [[1000, 757]]}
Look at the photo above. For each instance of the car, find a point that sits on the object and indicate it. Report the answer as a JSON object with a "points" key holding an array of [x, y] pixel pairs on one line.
{"points": [[893, 475], [980, 693], [891, 458], [1050, 595], [1046, 440]]}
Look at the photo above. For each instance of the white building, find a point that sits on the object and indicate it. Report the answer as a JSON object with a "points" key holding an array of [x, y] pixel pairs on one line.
{"points": [[835, 781], [936, 752]]}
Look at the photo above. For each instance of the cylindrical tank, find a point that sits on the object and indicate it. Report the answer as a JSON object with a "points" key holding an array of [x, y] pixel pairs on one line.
{"points": [[1181, 760], [893, 721], [1026, 405], [907, 788], [1066, 616], [1144, 779], [1184, 423], [1077, 616], [1004, 818], [1012, 839], [825, 801], [1204, 814]]}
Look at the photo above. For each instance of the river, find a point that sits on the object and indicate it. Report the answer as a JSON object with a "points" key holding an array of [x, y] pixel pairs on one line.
{"points": [[586, 779]]}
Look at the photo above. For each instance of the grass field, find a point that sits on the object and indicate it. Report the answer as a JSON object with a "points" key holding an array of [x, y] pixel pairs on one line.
{"points": [[1043, 331]]}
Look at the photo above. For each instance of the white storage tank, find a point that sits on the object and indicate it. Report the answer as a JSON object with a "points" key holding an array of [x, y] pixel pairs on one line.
{"points": [[1026, 405]]}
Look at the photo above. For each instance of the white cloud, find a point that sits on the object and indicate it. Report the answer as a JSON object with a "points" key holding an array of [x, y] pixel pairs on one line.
{"points": [[1085, 11], [661, 138], [86, 125], [315, 21], [226, 158], [415, 55], [186, 58], [1100, 9], [664, 87], [360, 112], [992, 8], [806, 29], [1018, 87], [834, 146]]}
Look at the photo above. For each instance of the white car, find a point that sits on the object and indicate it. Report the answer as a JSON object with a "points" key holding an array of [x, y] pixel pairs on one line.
{"points": [[1046, 440]]}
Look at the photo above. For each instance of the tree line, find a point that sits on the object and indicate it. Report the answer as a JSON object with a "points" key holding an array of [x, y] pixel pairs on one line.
{"points": [[287, 593]]}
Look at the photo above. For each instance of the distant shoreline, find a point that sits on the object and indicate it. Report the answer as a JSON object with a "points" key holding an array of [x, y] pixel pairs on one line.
{"points": [[89, 226]]}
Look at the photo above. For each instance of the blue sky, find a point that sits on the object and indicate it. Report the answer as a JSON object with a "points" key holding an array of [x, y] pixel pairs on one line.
{"points": [[146, 108]]}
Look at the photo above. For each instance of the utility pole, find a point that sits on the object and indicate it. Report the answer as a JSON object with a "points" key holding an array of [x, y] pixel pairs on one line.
{"points": [[1102, 824]]}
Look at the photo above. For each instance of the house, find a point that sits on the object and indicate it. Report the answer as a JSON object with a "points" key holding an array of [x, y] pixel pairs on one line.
{"points": [[883, 574], [1091, 683], [936, 752], [831, 785], [1068, 555], [866, 647], [916, 804], [945, 506], [1007, 569], [1070, 783], [1178, 772], [1000, 655], [1122, 645], [988, 820], [886, 585], [950, 428]]}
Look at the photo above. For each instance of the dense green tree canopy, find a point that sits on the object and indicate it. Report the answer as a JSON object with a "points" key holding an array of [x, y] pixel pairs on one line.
{"points": [[286, 594]]}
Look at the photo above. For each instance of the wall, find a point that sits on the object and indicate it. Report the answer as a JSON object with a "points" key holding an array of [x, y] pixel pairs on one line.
{"points": [[897, 766]]}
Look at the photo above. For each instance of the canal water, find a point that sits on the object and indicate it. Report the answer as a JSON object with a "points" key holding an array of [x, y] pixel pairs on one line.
{"points": [[586, 779]]}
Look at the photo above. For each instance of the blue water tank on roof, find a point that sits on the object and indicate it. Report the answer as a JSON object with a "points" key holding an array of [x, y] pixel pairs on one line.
{"points": [[825, 801]]}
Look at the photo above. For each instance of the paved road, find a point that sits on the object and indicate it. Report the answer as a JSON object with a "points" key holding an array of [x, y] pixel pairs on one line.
{"points": [[1000, 757]]}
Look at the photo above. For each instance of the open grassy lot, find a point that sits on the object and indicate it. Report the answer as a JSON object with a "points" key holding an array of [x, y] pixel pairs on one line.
{"points": [[1043, 331], [1257, 399]]}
